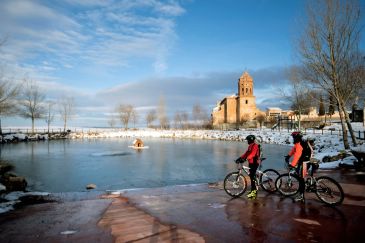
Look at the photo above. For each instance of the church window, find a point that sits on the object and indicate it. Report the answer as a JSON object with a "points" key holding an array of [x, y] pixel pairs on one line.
{"points": [[246, 102], [246, 90]]}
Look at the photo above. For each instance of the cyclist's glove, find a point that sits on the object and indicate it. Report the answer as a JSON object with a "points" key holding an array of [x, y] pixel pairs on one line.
{"points": [[287, 158], [239, 160]]}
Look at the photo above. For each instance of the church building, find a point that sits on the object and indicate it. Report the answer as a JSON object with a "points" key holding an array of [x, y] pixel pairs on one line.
{"points": [[237, 108]]}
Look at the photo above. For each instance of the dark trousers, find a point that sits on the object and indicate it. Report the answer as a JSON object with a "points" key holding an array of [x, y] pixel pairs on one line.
{"points": [[301, 179], [253, 168]]}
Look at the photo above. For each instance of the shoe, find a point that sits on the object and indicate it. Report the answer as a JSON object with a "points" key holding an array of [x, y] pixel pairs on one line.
{"points": [[299, 198], [252, 194]]}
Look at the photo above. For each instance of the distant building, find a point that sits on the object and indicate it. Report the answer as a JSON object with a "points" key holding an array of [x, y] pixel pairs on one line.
{"points": [[235, 109]]}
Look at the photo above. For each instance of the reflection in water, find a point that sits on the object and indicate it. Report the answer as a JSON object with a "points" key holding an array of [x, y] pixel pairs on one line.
{"points": [[270, 218], [69, 165], [111, 153]]}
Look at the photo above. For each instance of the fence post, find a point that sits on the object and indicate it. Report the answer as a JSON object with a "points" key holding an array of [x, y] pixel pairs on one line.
{"points": [[322, 131]]}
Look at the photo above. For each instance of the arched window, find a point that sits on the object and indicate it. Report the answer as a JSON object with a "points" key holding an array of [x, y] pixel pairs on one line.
{"points": [[246, 102]]}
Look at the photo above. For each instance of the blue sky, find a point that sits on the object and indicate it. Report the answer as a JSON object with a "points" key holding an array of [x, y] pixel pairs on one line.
{"points": [[104, 52]]}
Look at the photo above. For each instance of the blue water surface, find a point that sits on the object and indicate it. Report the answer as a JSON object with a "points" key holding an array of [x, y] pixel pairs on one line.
{"points": [[69, 165]]}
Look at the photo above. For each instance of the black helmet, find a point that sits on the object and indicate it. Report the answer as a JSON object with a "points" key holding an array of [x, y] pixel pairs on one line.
{"points": [[250, 138], [297, 135]]}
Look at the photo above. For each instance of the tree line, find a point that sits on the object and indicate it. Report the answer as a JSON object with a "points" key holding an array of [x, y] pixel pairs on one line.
{"points": [[158, 118], [29, 101]]}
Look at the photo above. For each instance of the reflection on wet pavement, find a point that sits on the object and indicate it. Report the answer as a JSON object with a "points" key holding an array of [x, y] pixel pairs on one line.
{"points": [[270, 218]]}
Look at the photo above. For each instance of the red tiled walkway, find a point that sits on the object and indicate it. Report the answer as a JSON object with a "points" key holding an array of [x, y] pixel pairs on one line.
{"points": [[129, 224]]}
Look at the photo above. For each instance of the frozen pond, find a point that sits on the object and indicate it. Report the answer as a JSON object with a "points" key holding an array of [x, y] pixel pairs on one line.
{"points": [[69, 165]]}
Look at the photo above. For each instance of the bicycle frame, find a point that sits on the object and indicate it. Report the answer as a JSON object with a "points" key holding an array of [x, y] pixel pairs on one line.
{"points": [[246, 169]]}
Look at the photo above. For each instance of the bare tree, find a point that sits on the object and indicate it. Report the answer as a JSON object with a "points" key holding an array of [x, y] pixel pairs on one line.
{"points": [[260, 118], [151, 117], [134, 117], [125, 113], [112, 122], [300, 96], [245, 118], [50, 113], [8, 95], [200, 116], [177, 120], [185, 119], [161, 114], [31, 101], [321, 110], [197, 115], [329, 52], [66, 106]]}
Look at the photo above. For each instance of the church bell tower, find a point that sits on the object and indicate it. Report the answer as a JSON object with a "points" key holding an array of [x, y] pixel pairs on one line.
{"points": [[245, 85], [246, 108]]}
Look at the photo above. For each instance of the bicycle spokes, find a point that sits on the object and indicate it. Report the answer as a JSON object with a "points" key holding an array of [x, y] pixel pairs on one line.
{"points": [[235, 184], [329, 191]]}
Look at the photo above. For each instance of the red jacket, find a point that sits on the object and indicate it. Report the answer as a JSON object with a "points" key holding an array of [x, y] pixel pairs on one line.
{"points": [[252, 153], [296, 152]]}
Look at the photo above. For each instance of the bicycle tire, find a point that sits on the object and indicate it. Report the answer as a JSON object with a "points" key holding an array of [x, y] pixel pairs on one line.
{"points": [[268, 179], [235, 184], [329, 191], [287, 185]]}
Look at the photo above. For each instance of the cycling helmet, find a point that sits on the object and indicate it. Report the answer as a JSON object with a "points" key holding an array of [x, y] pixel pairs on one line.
{"points": [[250, 138], [297, 134]]}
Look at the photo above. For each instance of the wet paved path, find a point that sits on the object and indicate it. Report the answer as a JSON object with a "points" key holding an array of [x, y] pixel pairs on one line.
{"points": [[270, 218], [194, 213]]}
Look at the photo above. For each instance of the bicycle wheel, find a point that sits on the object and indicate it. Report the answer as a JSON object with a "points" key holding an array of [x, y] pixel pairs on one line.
{"points": [[235, 184], [329, 191], [287, 185], [268, 179]]}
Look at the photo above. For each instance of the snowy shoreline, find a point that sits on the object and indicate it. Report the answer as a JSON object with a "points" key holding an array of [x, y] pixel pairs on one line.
{"points": [[327, 144]]}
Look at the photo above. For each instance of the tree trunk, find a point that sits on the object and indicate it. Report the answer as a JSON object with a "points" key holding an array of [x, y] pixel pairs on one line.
{"points": [[33, 125], [344, 129], [349, 126], [348, 122], [64, 122]]}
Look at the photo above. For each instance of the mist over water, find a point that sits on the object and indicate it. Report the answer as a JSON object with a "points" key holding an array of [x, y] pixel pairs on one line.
{"points": [[69, 165]]}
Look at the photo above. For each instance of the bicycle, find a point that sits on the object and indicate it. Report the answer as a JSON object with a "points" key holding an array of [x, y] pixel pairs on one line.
{"points": [[235, 183], [328, 190]]}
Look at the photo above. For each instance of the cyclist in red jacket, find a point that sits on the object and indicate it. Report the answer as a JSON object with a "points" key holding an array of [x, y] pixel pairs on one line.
{"points": [[297, 162], [252, 155]]}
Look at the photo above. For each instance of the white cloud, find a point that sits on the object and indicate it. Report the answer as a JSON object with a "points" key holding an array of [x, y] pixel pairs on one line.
{"points": [[103, 33]]}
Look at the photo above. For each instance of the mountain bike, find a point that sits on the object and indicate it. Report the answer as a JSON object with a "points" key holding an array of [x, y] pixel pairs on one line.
{"points": [[328, 190], [235, 183]]}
